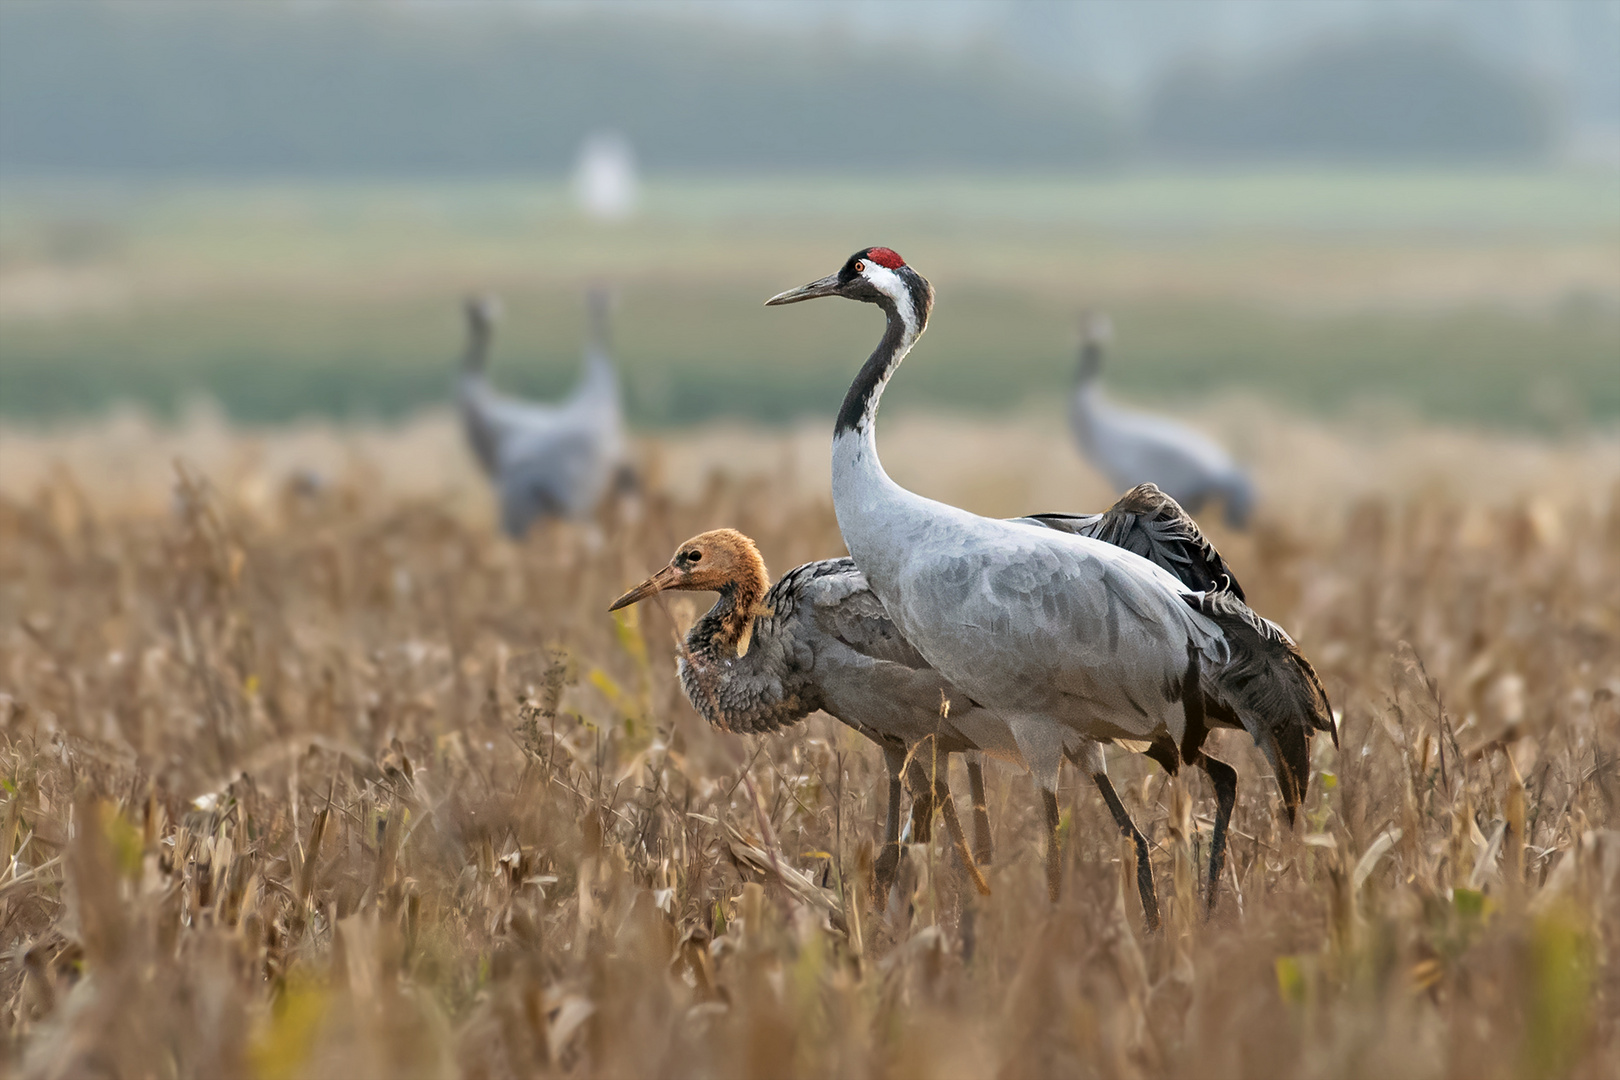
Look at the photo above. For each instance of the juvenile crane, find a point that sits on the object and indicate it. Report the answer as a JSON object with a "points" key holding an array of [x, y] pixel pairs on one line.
{"points": [[820, 639], [1133, 448], [766, 656], [1068, 639], [545, 461]]}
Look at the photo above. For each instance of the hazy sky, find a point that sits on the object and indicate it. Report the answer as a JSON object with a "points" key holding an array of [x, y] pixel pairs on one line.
{"points": [[1124, 44]]}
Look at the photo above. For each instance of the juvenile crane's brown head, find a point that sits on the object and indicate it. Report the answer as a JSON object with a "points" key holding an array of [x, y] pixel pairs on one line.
{"points": [[723, 561]]}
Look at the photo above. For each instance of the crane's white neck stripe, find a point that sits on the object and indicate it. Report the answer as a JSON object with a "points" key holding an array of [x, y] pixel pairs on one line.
{"points": [[893, 286]]}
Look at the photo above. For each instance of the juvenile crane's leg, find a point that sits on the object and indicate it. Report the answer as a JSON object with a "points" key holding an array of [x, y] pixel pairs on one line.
{"points": [[888, 860], [940, 795], [1224, 777], [922, 794], [983, 854]]}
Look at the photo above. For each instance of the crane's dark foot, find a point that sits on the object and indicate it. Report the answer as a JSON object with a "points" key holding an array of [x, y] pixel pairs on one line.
{"points": [[1224, 778], [983, 853], [1054, 852], [885, 869], [1144, 863]]}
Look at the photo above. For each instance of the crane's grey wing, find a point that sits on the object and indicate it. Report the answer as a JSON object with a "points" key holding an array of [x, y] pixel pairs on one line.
{"points": [[1153, 525]]}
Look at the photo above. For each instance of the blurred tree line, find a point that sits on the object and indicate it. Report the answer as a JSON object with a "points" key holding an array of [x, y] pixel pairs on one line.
{"points": [[1374, 98], [381, 90]]}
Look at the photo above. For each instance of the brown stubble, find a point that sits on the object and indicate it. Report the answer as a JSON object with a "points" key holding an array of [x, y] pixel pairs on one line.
{"points": [[457, 821]]}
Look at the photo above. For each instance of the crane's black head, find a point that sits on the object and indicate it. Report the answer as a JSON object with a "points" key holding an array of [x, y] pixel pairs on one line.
{"points": [[874, 275]]}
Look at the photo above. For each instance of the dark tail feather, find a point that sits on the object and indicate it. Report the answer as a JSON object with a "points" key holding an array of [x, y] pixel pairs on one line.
{"points": [[1290, 754], [1270, 688]]}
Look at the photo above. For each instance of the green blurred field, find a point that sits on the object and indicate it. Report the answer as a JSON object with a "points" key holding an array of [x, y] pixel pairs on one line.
{"points": [[1491, 300]]}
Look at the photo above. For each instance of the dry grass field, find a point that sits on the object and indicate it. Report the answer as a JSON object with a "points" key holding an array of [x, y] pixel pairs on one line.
{"points": [[313, 774]]}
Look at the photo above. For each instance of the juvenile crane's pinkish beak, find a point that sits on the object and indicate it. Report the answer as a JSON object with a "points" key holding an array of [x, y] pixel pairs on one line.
{"points": [[827, 286], [666, 578]]}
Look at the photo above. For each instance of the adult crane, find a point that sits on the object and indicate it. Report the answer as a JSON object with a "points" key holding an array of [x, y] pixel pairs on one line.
{"points": [[545, 461], [1132, 447], [820, 639], [1071, 641]]}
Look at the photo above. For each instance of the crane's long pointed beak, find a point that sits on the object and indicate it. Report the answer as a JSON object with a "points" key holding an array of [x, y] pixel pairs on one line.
{"points": [[827, 286], [660, 581]]}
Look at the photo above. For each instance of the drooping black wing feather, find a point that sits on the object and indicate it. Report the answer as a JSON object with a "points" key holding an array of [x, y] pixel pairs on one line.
{"points": [[1269, 688], [1151, 524]]}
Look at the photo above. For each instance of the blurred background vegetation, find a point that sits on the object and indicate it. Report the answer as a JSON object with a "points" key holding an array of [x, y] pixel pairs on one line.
{"points": [[1358, 206]]}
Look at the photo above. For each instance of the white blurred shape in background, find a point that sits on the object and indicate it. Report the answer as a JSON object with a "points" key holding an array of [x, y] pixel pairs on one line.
{"points": [[605, 176]]}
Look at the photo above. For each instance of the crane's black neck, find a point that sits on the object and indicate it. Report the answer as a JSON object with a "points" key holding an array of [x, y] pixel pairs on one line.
{"points": [[476, 357], [1091, 359], [597, 301], [906, 320]]}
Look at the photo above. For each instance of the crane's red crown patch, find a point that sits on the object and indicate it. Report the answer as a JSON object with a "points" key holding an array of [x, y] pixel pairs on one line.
{"points": [[886, 257]]}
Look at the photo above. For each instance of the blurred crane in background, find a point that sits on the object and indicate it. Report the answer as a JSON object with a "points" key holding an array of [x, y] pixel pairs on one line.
{"points": [[546, 461], [1134, 448]]}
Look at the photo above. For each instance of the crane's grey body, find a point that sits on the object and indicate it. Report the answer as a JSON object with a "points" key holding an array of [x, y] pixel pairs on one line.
{"points": [[545, 461], [1132, 448], [824, 640], [1037, 624]]}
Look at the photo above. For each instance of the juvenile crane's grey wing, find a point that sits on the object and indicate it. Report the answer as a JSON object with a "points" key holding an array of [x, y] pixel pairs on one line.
{"points": [[846, 609], [873, 679], [1153, 525]]}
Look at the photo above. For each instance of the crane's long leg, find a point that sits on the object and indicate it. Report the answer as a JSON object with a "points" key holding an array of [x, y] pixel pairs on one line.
{"points": [[1144, 864], [983, 854], [1054, 854], [888, 860], [1224, 777], [1088, 758], [1220, 774]]}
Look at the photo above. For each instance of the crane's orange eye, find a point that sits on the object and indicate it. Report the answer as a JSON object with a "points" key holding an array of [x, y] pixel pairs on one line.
{"points": [[860, 268]]}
